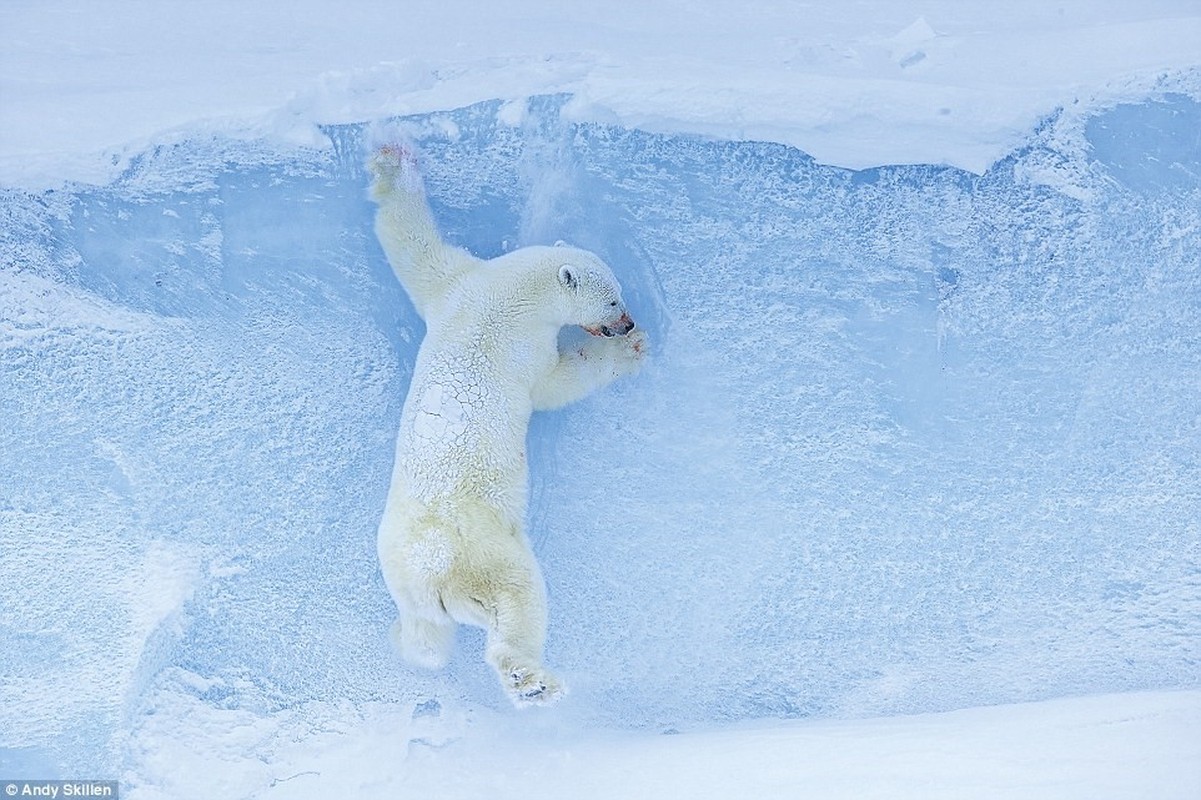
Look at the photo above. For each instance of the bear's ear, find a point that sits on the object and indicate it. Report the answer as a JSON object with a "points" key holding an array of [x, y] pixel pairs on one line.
{"points": [[567, 277]]}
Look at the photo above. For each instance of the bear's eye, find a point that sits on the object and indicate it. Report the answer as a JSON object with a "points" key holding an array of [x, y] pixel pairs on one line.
{"points": [[612, 303]]}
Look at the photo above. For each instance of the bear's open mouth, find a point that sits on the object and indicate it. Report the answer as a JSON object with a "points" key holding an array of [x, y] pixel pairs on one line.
{"points": [[619, 328]]}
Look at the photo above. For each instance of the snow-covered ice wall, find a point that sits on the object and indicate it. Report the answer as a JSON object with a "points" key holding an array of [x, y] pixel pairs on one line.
{"points": [[912, 438]]}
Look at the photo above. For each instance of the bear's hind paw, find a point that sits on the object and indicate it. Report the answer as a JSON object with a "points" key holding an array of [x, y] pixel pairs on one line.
{"points": [[423, 643], [534, 687]]}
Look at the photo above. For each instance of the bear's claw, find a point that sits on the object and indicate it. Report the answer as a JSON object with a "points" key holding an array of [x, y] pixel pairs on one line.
{"points": [[397, 152], [528, 687], [395, 166]]}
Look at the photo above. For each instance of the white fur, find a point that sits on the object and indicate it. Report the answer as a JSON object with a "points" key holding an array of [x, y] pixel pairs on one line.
{"points": [[452, 544]]}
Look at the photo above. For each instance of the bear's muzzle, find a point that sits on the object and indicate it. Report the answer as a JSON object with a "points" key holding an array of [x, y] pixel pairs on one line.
{"points": [[609, 329]]}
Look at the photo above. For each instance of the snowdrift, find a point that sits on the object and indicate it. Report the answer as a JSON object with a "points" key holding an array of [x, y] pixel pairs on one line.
{"points": [[913, 439]]}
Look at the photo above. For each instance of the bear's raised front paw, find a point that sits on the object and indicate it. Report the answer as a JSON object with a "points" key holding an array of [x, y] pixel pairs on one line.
{"points": [[528, 687], [631, 350], [636, 342], [394, 165], [396, 153]]}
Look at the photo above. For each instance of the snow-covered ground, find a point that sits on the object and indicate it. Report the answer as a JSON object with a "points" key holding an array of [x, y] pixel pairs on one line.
{"points": [[1109, 747], [911, 491]]}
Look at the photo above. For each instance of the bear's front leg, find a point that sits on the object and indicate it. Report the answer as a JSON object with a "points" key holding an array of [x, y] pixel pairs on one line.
{"points": [[425, 265], [589, 367]]}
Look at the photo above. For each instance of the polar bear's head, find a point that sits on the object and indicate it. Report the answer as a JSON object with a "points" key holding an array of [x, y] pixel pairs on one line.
{"points": [[563, 285], [590, 293]]}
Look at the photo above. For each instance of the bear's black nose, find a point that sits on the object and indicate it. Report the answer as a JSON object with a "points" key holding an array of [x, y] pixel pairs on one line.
{"points": [[619, 328]]}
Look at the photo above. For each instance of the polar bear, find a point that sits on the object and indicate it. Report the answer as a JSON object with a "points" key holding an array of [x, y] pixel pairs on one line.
{"points": [[452, 544]]}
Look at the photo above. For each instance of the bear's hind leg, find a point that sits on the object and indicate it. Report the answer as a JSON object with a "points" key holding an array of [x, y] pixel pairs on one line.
{"points": [[511, 609], [516, 631], [424, 642]]}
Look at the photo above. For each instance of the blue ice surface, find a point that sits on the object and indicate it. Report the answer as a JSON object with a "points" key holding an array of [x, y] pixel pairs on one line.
{"points": [[912, 439]]}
